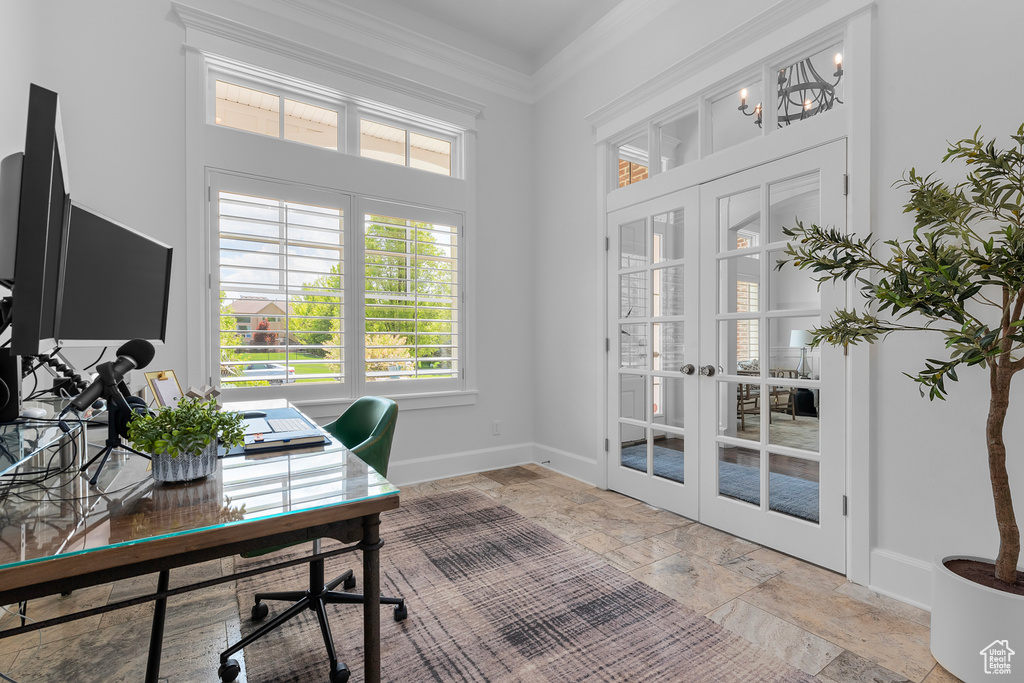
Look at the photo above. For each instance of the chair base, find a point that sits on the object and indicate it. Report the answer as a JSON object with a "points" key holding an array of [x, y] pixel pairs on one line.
{"points": [[315, 599]]}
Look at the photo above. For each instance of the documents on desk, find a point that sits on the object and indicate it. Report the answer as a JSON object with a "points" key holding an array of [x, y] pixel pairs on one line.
{"points": [[280, 428]]}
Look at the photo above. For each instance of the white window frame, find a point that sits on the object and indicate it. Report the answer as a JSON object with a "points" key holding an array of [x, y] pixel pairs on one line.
{"points": [[362, 113]]}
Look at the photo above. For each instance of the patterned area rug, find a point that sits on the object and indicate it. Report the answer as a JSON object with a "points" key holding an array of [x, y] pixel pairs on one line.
{"points": [[494, 597]]}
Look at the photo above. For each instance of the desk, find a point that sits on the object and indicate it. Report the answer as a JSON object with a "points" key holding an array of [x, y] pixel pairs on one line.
{"points": [[70, 536], [27, 441]]}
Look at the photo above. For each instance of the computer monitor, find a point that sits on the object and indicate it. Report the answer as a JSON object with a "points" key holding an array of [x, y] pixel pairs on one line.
{"points": [[115, 283], [42, 216]]}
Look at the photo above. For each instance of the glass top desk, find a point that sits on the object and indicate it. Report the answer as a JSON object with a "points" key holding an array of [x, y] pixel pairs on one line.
{"points": [[66, 535], [32, 442]]}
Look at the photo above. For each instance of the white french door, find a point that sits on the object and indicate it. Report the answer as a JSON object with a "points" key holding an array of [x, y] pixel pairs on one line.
{"points": [[719, 409]]}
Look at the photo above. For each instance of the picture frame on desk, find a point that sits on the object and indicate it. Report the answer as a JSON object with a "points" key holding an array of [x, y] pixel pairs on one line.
{"points": [[164, 386]]}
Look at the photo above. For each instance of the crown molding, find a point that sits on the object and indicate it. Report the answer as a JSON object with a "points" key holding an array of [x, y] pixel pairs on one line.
{"points": [[610, 30], [776, 17], [213, 24], [416, 48]]}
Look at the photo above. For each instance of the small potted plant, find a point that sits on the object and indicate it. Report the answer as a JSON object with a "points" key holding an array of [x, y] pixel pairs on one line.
{"points": [[183, 440]]}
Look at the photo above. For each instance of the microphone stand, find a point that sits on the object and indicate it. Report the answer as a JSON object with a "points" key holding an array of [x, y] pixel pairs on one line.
{"points": [[116, 405]]}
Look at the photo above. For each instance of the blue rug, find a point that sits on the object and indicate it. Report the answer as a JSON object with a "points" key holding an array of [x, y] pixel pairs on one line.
{"points": [[789, 495]]}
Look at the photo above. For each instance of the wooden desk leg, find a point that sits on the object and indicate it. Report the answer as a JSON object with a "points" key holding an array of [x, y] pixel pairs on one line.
{"points": [[156, 637], [371, 597]]}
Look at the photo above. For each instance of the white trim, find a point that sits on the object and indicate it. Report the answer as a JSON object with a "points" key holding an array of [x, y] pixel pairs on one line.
{"points": [[415, 48], [404, 472], [753, 42], [611, 30], [464, 111], [902, 577], [570, 464]]}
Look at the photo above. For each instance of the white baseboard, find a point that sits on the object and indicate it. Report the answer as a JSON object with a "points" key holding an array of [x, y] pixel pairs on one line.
{"points": [[564, 462], [406, 472], [902, 577]]}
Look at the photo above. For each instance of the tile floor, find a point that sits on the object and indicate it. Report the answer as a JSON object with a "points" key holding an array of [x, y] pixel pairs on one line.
{"points": [[812, 618]]}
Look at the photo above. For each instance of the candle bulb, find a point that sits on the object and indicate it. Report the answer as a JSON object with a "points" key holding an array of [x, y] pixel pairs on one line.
{"points": [[743, 96], [839, 60]]}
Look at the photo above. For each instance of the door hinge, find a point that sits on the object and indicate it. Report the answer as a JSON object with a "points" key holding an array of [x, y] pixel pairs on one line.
{"points": [[607, 344], [846, 184], [607, 445], [845, 506], [209, 196], [607, 243]]}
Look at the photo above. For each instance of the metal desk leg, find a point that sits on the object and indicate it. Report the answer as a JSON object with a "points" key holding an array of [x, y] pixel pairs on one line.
{"points": [[371, 599], [156, 638]]}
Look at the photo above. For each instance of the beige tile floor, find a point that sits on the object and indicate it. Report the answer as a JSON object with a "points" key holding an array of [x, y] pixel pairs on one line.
{"points": [[812, 618]]}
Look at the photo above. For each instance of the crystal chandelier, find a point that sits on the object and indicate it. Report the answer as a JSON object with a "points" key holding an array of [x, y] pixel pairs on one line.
{"points": [[802, 93]]}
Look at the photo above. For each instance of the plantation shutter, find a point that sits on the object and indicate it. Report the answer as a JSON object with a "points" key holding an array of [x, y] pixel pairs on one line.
{"points": [[411, 294], [281, 275]]}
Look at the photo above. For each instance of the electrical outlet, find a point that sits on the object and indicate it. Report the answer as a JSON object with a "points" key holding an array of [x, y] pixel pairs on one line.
{"points": [[496, 427]]}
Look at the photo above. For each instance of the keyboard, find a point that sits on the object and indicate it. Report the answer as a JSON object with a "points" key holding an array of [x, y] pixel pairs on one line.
{"points": [[289, 424]]}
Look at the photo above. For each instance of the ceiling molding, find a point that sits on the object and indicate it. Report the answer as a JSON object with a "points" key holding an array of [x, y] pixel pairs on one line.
{"points": [[610, 30], [419, 49], [212, 24], [772, 19]]}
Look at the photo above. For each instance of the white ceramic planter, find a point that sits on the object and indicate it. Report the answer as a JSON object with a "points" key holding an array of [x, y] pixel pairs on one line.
{"points": [[968, 618], [185, 467]]}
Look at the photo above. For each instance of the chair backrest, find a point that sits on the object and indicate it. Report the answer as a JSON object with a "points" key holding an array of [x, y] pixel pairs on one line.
{"points": [[367, 429]]}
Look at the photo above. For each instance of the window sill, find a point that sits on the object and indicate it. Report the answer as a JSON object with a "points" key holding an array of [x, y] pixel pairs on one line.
{"points": [[332, 407]]}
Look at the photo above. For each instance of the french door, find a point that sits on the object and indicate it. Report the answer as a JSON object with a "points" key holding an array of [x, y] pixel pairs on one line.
{"points": [[719, 409]]}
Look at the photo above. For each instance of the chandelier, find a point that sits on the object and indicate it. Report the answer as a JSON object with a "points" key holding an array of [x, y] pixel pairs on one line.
{"points": [[802, 93]]}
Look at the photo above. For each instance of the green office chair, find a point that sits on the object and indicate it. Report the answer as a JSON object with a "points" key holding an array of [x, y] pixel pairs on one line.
{"points": [[366, 429]]}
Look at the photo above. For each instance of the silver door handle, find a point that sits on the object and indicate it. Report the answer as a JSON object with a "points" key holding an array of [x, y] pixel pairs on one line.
{"points": [[687, 369], [707, 370]]}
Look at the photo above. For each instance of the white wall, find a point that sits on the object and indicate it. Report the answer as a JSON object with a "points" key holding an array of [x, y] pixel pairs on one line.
{"points": [[940, 72], [119, 68]]}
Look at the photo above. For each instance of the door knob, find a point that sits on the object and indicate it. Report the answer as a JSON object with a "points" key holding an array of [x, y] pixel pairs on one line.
{"points": [[707, 370], [687, 369]]}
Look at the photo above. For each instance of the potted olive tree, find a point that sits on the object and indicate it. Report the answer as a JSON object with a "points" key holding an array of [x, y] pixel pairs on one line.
{"points": [[182, 440], [961, 275]]}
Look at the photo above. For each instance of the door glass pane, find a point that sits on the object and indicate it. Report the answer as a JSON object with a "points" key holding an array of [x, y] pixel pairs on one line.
{"points": [[811, 86], [633, 244], [789, 201], [670, 403], [679, 141], [668, 291], [633, 444], [633, 397], [739, 284], [739, 410], [633, 346], [739, 220], [739, 473], [633, 295], [793, 487], [669, 348], [739, 346], [789, 288], [668, 456], [789, 339], [736, 116], [668, 236], [794, 417]]}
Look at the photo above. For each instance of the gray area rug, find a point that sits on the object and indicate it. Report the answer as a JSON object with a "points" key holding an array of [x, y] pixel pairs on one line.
{"points": [[495, 597]]}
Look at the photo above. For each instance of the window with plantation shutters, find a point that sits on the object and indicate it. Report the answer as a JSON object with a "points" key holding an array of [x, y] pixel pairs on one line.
{"points": [[411, 294], [281, 290]]}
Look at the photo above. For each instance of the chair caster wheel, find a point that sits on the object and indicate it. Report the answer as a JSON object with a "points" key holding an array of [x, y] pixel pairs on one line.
{"points": [[350, 583], [259, 611], [340, 673], [229, 671], [401, 612]]}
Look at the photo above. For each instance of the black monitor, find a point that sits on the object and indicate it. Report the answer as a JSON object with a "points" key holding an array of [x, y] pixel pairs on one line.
{"points": [[42, 216], [115, 283]]}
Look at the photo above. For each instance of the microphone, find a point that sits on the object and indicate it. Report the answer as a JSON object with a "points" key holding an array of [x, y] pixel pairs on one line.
{"points": [[138, 353]]}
